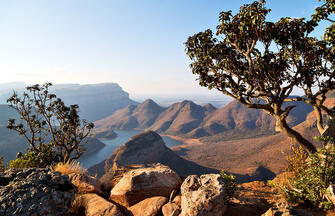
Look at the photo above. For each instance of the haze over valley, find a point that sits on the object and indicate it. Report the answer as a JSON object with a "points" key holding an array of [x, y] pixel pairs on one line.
{"points": [[214, 137]]}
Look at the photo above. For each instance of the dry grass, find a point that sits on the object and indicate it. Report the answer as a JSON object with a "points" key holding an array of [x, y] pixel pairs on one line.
{"points": [[79, 206], [70, 167]]}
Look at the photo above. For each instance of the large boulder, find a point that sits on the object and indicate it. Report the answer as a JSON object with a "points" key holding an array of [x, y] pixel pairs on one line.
{"points": [[148, 207], [204, 195], [85, 183], [97, 206], [35, 191], [142, 183]]}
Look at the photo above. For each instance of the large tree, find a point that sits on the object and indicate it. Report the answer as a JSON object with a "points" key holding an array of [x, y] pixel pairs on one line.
{"points": [[49, 126], [260, 63]]}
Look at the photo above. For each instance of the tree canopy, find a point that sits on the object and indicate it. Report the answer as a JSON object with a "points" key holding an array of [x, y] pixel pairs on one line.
{"points": [[260, 63]]}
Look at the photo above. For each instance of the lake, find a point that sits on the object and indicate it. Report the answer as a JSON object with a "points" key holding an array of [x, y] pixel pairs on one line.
{"points": [[122, 137]]}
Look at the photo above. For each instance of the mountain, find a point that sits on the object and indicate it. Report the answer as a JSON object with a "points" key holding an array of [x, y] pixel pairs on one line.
{"points": [[6, 113], [236, 117], [191, 120], [132, 117], [246, 155], [147, 148], [96, 101], [180, 118]]}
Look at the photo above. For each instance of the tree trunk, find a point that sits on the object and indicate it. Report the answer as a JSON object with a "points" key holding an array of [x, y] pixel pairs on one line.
{"points": [[282, 126]]}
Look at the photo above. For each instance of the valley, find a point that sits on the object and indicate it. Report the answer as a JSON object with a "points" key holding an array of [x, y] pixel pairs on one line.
{"points": [[231, 138]]}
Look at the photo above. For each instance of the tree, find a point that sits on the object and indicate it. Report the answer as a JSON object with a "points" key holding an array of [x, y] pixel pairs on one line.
{"points": [[323, 13], [259, 63], [48, 124]]}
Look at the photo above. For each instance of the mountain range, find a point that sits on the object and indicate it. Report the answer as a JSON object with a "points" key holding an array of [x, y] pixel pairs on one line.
{"points": [[188, 119], [96, 101]]}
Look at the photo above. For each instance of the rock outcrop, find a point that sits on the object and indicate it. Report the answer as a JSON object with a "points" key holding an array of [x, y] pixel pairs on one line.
{"points": [[148, 148], [204, 195], [142, 183], [35, 191]]}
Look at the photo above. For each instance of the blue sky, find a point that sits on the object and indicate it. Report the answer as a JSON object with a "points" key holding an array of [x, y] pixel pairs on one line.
{"points": [[136, 43]]}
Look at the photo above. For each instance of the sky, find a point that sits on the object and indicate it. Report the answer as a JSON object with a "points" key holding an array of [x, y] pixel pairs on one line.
{"points": [[138, 44]]}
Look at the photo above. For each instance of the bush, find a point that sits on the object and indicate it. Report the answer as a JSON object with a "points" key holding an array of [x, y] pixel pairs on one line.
{"points": [[296, 160], [312, 176], [44, 157], [231, 186], [314, 181]]}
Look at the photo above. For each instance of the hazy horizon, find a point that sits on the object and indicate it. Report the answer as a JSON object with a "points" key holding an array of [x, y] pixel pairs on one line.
{"points": [[137, 44]]}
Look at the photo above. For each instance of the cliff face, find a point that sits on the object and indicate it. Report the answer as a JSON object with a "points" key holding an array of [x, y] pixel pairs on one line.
{"points": [[96, 101]]}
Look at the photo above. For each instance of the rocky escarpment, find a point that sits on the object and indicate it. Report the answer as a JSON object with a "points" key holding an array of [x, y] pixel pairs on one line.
{"points": [[35, 191], [147, 148]]}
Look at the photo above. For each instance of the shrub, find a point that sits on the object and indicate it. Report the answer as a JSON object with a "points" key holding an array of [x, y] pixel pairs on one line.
{"points": [[230, 182], [44, 157], [296, 160], [314, 181], [70, 167], [311, 176]]}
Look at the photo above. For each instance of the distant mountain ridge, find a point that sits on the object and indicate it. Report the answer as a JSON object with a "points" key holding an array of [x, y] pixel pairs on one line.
{"points": [[96, 101], [191, 120]]}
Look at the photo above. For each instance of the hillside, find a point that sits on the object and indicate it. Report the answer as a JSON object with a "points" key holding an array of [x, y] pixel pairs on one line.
{"points": [[244, 156], [181, 118], [132, 117], [188, 119]]}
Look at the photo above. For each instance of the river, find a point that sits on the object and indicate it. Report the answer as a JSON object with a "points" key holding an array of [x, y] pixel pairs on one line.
{"points": [[122, 137]]}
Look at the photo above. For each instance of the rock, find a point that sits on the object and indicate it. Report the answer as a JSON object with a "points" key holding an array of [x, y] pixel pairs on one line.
{"points": [[35, 191], [171, 209], [330, 193], [148, 207], [204, 195], [286, 210], [177, 200], [98, 206], [85, 183], [142, 183]]}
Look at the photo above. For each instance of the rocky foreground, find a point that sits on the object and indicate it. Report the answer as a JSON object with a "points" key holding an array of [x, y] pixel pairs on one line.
{"points": [[141, 178], [148, 190]]}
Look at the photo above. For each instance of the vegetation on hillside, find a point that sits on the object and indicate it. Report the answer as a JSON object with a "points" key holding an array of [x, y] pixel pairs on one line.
{"points": [[259, 63], [54, 131]]}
